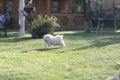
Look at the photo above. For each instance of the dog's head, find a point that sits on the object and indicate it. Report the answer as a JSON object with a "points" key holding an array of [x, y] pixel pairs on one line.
{"points": [[59, 35]]}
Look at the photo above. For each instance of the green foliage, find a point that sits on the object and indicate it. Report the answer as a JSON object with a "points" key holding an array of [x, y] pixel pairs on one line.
{"points": [[77, 6], [43, 24]]}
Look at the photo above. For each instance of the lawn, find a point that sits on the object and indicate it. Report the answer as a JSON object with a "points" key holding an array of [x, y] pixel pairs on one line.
{"points": [[86, 57]]}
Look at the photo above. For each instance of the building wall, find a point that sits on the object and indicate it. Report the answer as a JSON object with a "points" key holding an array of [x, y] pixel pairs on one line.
{"points": [[40, 7], [71, 21], [66, 20], [2, 6], [15, 13]]}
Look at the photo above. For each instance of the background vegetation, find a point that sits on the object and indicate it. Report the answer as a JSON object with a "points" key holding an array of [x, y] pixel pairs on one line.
{"points": [[43, 24]]}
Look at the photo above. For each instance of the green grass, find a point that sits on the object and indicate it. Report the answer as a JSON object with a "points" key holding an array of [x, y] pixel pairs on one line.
{"points": [[85, 57]]}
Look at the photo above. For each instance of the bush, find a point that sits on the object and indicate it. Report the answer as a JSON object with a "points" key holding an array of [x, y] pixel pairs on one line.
{"points": [[43, 24]]}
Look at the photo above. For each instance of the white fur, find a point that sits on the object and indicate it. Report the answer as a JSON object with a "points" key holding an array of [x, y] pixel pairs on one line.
{"points": [[51, 40], [115, 78]]}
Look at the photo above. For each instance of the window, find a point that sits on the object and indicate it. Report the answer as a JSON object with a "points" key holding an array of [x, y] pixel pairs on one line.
{"points": [[55, 6], [1, 6], [60, 6], [9, 5], [66, 6]]}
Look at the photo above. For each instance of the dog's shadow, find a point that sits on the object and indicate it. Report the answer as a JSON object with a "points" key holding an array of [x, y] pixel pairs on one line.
{"points": [[41, 50], [48, 49]]}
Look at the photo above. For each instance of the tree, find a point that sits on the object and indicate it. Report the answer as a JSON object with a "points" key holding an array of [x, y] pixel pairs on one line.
{"points": [[21, 17]]}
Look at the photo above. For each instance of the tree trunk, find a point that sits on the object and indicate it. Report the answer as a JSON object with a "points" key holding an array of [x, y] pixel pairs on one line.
{"points": [[21, 17]]}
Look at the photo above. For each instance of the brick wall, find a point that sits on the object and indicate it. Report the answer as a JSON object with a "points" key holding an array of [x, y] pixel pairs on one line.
{"points": [[70, 21]]}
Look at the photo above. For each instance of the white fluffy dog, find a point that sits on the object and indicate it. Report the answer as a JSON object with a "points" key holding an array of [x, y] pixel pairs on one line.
{"points": [[115, 78], [51, 40]]}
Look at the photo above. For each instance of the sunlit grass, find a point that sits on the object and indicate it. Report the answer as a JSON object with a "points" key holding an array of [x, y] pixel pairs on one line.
{"points": [[86, 57]]}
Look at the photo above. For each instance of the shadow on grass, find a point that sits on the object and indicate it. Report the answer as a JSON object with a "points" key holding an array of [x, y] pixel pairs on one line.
{"points": [[117, 67], [12, 36], [41, 50], [15, 39], [101, 43], [48, 49], [88, 35], [95, 40]]}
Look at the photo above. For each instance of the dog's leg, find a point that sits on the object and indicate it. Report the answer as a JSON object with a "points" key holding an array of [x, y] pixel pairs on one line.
{"points": [[63, 44], [46, 45]]}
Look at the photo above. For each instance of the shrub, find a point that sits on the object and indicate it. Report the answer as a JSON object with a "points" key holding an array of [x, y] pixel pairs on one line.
{"points": [[43, 24]]}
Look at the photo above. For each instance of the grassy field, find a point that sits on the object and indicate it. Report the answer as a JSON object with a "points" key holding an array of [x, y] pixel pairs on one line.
{"points": [[85, 57]]}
